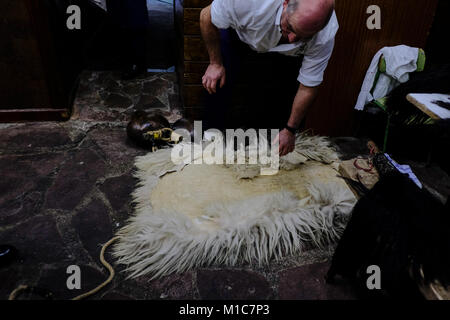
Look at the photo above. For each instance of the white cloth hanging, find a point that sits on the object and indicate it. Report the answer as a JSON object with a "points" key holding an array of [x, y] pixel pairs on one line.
{"points": [[400, 61], [100, 3]]}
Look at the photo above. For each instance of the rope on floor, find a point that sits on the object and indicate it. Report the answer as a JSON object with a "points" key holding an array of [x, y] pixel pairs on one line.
{"points": [[17, 291], [21, 288], [107, 265]]}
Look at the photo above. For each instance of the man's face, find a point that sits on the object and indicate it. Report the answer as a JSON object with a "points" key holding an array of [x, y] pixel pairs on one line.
{"points": [[290, 29]]}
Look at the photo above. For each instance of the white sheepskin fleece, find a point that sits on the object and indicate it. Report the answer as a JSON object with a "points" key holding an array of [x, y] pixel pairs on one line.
{"points": [[187, 216]]}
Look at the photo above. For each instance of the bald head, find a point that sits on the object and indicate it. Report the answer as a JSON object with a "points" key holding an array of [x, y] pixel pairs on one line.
{"points": [[307, 17]]}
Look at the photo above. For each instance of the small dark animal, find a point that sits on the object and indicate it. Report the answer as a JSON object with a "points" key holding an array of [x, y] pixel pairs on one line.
{"points": [[141, 123]]}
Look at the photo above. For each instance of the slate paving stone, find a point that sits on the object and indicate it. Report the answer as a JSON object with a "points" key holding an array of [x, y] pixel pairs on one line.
{"points": [[37, 240], [145, 101], [128, 287], [20, 209], [232, 284], [157, 87], [75, 180], [118, 190], [115, 100], [156, 105], [101, 78], [171, 77], [9, 279], [111, 85], [29, 138], [172, 287], [132, 88], [102, 115], [308, 283], [55, 280], [14, 181], [113, 295], [93, 225], [18, 273], [23, 184], [115, 147], [174, 102], [150, 92]]}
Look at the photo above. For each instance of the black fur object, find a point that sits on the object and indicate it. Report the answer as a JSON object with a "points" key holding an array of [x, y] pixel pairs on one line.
{"points": [[395, 226], [434, 80], [418, 136], [142, 122]]}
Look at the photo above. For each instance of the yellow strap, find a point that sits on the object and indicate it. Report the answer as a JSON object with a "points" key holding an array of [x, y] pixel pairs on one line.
{"points": [[159, 134]]}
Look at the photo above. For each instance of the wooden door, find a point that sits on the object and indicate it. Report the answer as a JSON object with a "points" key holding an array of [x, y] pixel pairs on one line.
{"points": [[30, 84]]}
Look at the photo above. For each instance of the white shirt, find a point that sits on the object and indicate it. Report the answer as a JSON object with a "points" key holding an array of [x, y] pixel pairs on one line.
{"points": [[100, 3], [257, 23]]}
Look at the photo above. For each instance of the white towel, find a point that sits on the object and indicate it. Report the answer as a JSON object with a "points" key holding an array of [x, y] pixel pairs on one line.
{"points": [[400, 61], [100, 3], [405, 169]]}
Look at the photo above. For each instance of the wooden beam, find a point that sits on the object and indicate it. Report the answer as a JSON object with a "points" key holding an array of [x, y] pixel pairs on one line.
{"points": [[36, 114]]}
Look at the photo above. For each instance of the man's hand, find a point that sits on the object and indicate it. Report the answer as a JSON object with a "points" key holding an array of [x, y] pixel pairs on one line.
{"points": [[214, 74], [286, 140]]}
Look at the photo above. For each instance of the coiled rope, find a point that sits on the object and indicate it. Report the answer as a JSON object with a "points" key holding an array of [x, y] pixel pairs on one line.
{"points": [[23, 288]]}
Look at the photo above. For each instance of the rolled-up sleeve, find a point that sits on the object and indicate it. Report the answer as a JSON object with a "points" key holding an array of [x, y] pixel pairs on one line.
{"points": [[314, 64], [220, 13]]}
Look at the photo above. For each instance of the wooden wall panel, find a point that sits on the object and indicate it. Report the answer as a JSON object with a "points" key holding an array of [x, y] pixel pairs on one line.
{"points": [[22, 84], [32, 85], [194, 49], [196, 3], [403, 22], [192, 21], [194, 57]]}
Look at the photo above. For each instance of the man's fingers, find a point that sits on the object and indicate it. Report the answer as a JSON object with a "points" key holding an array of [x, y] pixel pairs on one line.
{"points": [[213, 85], [204, 82], [210, 86], [222, 81]]}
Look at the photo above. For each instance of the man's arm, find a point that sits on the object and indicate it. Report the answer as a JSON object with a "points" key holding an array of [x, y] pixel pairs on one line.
{"points": [[211, 36], [303, 100]]}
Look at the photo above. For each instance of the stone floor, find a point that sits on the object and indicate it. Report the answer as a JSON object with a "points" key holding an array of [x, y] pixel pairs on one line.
{"points": [[65, 190]]}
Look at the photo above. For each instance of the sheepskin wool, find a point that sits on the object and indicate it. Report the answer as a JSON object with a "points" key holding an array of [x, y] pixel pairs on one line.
{"points": [[193, 215]]}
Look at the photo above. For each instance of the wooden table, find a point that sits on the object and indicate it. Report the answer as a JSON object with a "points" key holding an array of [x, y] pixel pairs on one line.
{"points": [[437, 106]]}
